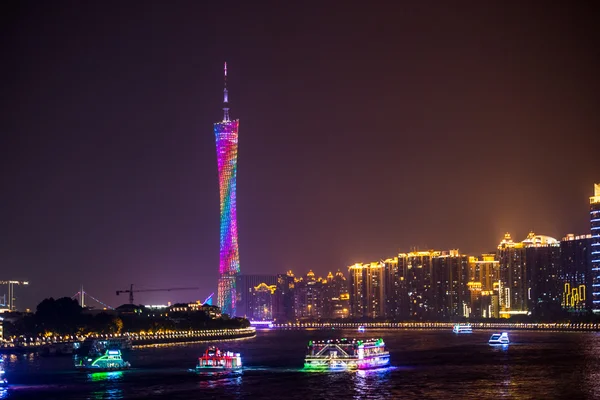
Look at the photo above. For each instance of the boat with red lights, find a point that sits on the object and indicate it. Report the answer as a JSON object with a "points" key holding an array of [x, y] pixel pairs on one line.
{"points": [[346, 354], [216, 360]]}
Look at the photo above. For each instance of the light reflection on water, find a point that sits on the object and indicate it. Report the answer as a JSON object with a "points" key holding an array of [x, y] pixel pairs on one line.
{"points": [[426, 364], [105, 376], [372, 383]]}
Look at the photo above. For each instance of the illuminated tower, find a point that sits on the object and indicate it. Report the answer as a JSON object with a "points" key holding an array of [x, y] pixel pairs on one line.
{"points": [[226, 133], [595, 246]]}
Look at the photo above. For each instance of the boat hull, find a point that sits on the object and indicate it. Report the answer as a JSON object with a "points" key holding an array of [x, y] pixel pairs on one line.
{"points": [[374, 363], [315, 364], [499, 339], [98, 369], [204, 370]]}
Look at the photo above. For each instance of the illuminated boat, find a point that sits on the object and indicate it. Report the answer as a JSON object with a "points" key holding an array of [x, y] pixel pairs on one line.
{"points": [[98, 356], [462, 328], [346, 354], [215, 360], [361, 328], [499, 339], [3, 381]]}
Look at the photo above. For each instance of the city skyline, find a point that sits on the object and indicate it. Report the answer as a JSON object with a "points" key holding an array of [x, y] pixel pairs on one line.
{"points": [[422, 126]]}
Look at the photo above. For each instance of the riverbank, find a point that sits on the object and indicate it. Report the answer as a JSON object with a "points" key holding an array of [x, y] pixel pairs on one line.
{"points": [[441, 326], [128, 340], [191, 336]]}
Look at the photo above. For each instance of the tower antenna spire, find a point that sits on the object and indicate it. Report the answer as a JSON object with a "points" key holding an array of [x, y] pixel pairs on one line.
{"points": [[225, 99]]}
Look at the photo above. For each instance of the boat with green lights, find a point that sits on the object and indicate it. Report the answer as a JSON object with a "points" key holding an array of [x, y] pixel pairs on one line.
{"points": [[346, 354], [98, 356]]}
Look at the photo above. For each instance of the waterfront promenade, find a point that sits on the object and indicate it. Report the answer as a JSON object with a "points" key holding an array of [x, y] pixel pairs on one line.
{"points": [[553, 326], [32, 344]]}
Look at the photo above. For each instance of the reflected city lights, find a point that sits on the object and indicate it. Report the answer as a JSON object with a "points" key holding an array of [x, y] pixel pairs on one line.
{"points": [[105, 376]]}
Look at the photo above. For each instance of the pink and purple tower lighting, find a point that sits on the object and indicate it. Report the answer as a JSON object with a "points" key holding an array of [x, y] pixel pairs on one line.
{"points": [[226, 133]]}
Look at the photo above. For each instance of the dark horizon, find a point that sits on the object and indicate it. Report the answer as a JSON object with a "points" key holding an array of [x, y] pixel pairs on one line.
{"points": [[364, 131]]}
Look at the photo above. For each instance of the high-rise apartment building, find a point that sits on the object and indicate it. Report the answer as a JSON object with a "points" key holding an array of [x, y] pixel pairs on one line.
{"points": [[484, 286], [367, 290], [450, 291], [595, 247], [245, 285], [285, 298], [336, 296], [262, 302], [575, 273], [543, 264], [417, 295], [513, 277], [309, 297]]}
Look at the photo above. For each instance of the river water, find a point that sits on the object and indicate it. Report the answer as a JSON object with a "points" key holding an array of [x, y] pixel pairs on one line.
{"points": [[425, 365]]}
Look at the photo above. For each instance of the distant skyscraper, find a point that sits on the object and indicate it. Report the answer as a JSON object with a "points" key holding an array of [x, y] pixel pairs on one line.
{"points": [[513, 277], [484, 285], [575, 277], [285, 297], [367, 290], [595, 247], [226, 133], [244, 287], [262, 302]]}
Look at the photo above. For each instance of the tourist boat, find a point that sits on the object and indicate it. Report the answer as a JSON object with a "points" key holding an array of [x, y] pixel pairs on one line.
{"points": [[499, 339], [215, 360], [462, 328], [361, 328], [98, 356], [3, 381], [346, 354]]}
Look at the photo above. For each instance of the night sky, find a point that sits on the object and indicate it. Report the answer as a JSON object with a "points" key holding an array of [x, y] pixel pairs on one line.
{"points": [[365, 129]]}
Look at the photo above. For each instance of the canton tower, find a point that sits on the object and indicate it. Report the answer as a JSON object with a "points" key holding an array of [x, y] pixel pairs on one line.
{"points": [[226, 134]]}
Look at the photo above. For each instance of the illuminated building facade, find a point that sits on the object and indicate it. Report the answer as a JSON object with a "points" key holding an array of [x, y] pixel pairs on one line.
{"points": [[226, 134], [262, 301], [309, 297], [245, 284], [450, 292], [543, 262], [337, 297], [393, 281], [513, 277], [416, 292], [575, 275], [285, 298], [484, 286], [367, 290], [595, 247]]}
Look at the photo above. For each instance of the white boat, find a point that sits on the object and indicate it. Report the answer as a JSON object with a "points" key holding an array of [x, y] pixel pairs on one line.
{"points": [[499, 339], [361, 328], [462, 328], [3, 381]]}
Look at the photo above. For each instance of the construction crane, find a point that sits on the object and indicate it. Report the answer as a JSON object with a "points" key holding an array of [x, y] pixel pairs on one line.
{"points": [[131, 291]]}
